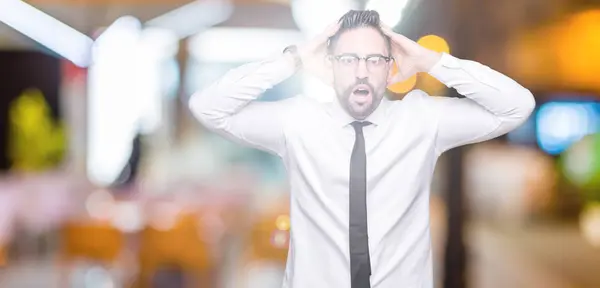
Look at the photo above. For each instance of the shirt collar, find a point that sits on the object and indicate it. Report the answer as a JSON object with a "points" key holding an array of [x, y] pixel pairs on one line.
{"points": [[342, 118]]}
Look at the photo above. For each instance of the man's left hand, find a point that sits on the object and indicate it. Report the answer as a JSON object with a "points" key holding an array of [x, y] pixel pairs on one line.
{"points": [[409, 56]]}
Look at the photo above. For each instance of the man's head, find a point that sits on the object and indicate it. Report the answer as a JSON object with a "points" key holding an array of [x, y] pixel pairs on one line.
{"points": [[360, 56]]}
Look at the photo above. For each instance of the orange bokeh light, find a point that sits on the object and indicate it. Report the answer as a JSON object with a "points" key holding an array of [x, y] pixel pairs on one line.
{"points": [[428, 83]]}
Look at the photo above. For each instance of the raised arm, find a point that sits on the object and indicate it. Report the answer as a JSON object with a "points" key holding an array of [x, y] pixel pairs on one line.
{"points": [[494, 103], [227, 106]]}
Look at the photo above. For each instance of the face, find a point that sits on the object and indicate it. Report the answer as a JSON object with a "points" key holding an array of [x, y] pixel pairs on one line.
{"points": [[360, 70]]}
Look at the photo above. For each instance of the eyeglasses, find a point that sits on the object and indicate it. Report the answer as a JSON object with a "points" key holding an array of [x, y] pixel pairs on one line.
{"points": [[373, 62]]}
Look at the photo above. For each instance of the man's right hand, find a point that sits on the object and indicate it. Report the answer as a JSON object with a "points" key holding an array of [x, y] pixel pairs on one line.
{"points": [[314, 55]]}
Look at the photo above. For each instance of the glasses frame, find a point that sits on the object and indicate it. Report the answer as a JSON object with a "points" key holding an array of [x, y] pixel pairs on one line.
{"points": [[387, 59]]}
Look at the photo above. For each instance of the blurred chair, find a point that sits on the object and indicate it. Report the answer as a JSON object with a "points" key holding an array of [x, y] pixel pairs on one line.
{"points": [[90, 241], [95, 241], [269, 238], [266, 249], [170, 276], [269, 232], [165, 253], [2, 255]]}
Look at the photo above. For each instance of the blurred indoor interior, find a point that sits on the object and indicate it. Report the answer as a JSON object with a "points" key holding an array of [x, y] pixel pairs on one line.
{"points": [[107, 180]]}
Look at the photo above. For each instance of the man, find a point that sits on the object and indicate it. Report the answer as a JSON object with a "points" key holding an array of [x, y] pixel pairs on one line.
{"points": [[360, 168]]}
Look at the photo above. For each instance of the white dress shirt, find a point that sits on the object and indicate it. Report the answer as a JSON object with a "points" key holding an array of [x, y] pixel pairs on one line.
{"points": [[314, 141]]}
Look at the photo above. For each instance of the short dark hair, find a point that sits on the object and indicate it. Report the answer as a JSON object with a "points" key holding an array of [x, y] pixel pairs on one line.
{"points": [[357, 19]]}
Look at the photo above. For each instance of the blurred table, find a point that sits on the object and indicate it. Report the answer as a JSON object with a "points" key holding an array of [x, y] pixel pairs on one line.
{"points": [[548, 256], [2, 256], [92, 240]]}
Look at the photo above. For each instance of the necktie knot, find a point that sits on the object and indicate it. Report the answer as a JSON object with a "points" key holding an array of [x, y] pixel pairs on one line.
{"points": [[358, 125]]}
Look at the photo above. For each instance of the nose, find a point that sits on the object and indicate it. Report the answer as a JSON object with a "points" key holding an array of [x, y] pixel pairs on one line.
{"points": [[362, 80], [361, 70]]}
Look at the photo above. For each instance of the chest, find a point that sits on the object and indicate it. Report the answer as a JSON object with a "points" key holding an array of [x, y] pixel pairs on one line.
{"points": [[322, 150]]}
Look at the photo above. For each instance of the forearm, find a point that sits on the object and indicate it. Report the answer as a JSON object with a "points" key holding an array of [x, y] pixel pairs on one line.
{"points": [[224, 98]]}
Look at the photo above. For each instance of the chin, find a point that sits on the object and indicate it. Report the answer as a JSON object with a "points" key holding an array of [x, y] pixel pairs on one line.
{"points": [[360, 113]]}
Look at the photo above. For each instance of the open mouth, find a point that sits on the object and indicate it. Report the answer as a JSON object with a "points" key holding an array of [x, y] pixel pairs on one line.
{"points": [[361, 94], [361, 91]]}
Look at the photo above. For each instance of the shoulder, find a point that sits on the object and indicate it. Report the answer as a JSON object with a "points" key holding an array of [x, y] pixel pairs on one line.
{"points": [[305, 113], [420, 97], [424, 103], [302, 104], [413, 102], [300, 108], [419, 107], [299, 103]]}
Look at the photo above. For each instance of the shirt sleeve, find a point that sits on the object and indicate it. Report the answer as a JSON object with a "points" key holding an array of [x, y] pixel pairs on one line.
{"points": [[494, 104], [228, 107]]}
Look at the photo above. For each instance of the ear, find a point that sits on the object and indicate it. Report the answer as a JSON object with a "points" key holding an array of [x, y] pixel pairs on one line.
{"points": [[325, 73], [328, 61], [328, 77], [392, 76]]}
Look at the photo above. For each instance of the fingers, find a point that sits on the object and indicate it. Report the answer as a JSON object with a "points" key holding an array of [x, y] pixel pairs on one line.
{"points": [[397, 38], [387, 30], [332, 29], [394, 37], [320, 41], [329, 31], [319, 44]]}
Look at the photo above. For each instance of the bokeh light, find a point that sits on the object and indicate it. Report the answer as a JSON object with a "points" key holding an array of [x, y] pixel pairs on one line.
{"points": [[423, 80], [435, 43], [403, 86], [590, 224], [427, 82], [581, 164], [283, 222], [577, 46]]}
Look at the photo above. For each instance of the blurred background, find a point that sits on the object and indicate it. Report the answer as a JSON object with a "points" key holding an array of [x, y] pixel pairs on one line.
{"points": [[107, 181]]}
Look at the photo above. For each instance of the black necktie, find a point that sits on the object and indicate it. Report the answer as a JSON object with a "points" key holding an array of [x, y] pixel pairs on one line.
{"points": [[360, 263]]}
